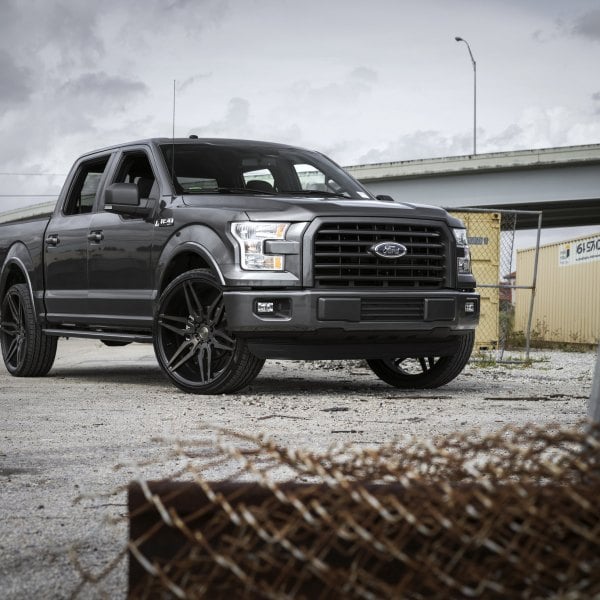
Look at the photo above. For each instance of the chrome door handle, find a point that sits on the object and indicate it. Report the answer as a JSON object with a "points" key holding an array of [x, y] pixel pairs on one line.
{"points": [[53, 240], [95, 236]]}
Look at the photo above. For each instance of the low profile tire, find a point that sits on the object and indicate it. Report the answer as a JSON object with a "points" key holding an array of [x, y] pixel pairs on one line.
{"points": [[26, 350], [193, 344], [424, 372]]}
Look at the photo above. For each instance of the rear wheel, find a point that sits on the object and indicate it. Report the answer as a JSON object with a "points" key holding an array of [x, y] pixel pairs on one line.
{"points": [[192, 342], [424, 372], [26, 350]]}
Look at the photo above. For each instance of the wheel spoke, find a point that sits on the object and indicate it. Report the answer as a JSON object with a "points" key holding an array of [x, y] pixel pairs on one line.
{"points": [[191, 299], [215, 311], [188, 344], [178, 330], [14, 306], [423, 364], [14, 347], [218, 315], [222, 341], [205, 360], [9, 328]]}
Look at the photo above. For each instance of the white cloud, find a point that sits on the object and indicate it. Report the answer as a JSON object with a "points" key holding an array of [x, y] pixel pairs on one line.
{"points": [[379, 81]]}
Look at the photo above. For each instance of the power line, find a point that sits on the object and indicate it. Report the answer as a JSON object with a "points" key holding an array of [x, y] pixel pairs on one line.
{"points": [[34, 174]]}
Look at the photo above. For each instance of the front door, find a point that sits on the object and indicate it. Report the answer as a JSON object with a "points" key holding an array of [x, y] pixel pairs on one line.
{"points": [[121, 280]]}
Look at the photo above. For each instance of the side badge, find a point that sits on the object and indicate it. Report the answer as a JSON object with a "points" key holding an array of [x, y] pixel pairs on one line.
{"points": [[164, 222]]}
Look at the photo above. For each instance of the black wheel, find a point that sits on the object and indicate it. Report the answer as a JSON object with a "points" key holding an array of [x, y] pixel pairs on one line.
{"points": [[192, 342], [26, 350], [424, 372]]}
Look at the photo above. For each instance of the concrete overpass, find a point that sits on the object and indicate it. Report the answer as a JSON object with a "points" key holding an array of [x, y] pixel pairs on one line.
{"points": [[564, 183]]}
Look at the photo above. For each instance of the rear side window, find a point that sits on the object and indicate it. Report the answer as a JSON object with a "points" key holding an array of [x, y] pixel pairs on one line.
{"points": [[85, 186]]}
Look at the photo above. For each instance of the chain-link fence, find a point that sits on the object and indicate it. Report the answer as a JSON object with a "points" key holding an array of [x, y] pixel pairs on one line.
{"points": [[465, 515], [491, 236]]}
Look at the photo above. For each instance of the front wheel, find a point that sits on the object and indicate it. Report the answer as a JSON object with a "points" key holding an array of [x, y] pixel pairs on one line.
{"points": [[424, 372], [193, 344]]}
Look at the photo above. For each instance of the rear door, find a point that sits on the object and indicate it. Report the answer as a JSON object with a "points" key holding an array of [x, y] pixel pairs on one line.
{"points": [[66, 244]]}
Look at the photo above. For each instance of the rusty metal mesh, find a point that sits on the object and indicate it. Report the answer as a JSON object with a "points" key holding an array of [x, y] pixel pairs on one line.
{"points": [[509, 514]]}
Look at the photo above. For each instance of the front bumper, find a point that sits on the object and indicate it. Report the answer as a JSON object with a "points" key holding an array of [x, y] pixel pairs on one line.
{"points": [[352, 311], [351, 324]]}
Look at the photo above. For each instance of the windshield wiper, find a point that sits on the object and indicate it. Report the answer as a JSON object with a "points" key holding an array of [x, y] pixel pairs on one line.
{"points": [[239, 190], [317, 193], [232, 190]]}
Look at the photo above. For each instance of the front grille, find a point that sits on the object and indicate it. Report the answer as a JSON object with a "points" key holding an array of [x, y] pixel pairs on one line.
{"points": [[341, 257], [392, 309]]}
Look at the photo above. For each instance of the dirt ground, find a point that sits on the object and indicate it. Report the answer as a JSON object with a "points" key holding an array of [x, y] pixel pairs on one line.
{"points": [[62, 435]]}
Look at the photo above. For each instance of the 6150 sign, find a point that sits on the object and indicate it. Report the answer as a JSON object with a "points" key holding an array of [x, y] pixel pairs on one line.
{"points": [[579, 251]]}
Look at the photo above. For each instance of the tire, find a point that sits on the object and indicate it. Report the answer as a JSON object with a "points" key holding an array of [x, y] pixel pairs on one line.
{"points": [[192, 343], [26, 350], [424, 372]]}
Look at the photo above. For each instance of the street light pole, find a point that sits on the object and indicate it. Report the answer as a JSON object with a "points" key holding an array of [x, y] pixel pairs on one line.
{"points": [[459, 39]]}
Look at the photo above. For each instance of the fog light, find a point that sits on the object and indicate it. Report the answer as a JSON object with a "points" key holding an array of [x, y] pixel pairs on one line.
{"points": [[265, 307], [470, 307]]}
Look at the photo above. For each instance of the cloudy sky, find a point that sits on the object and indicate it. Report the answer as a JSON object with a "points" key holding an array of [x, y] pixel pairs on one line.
{"points": [[362, 81]]}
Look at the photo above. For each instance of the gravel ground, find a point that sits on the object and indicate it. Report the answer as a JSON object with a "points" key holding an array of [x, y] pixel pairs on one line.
{"points": [[62, 435]]}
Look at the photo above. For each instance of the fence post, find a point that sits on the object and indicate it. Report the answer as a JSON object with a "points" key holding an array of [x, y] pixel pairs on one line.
{"points": [[594, 401], [533, 286]]}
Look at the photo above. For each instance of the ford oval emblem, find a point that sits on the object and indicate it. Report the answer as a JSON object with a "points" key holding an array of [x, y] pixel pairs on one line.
{"points": [[388, 249]]}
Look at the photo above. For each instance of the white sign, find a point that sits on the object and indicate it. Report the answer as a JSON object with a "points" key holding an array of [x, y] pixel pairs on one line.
{"points": [[579, 252]]}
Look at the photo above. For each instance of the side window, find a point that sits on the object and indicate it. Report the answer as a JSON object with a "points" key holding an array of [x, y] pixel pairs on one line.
{"points": [[311, 178], [135, 168], [260, 179], [83, 192]]}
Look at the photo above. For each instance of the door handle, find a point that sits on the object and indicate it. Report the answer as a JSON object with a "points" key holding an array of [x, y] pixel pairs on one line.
{"points": [[95, 236], [53, 240]]}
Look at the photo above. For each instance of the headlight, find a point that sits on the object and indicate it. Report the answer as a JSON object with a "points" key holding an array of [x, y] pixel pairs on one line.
{"points": [[462, 251], [251, 238]]}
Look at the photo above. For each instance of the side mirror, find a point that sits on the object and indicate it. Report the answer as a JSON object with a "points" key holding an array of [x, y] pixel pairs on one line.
{"points": [[384, 198], [125, 199]]}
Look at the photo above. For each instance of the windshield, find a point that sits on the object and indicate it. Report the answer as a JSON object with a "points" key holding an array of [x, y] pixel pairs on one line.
{"points": [[257, 169]]}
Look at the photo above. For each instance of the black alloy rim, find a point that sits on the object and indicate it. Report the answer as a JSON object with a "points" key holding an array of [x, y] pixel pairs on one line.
{"points": [[13, 330], [413, 367], [193, 336]]}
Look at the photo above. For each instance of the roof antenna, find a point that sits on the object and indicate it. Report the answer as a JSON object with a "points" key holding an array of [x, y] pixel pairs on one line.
{"points": [[173, 143]]}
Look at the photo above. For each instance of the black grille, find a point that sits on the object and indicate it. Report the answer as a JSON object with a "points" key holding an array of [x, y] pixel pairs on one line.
{"points": [[392, 309], [341, 257]]}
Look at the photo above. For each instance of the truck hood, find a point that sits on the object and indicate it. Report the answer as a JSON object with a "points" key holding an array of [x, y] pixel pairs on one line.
{"points": [[296, 209]]}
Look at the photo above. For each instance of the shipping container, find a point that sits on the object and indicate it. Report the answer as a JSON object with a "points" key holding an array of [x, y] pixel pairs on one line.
{"points": [[483, 232], [567, 299]]}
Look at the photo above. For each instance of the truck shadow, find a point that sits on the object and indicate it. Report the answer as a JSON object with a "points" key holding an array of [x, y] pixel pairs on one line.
{"points": [[294, 383], [264, 384]]}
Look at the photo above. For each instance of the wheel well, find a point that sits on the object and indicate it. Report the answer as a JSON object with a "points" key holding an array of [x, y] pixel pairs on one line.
{"points": [[14, 275], [186, 261]]}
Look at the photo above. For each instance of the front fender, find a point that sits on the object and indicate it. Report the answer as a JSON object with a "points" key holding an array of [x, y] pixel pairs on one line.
{"points": [[200, 240]]}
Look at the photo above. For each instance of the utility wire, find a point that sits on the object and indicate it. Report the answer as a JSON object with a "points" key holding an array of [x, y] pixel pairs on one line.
{"points": [[34, 174]]}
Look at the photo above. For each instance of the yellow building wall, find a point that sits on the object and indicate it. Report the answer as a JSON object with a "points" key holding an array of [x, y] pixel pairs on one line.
{"points": [[567, 299], [483, 231]]}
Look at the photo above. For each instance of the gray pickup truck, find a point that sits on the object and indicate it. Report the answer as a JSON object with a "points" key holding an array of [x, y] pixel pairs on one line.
{"points": [[223, 253]]}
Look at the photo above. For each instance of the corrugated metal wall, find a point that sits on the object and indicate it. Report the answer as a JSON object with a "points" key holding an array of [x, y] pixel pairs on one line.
{"points": [[567, 300]]}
